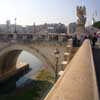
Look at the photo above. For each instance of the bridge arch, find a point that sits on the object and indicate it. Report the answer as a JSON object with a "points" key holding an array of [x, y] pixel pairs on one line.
{"points": [[10, 54]]}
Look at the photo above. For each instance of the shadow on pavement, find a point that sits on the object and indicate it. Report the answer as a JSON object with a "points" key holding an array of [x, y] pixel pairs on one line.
{"points": [[96, 57]]}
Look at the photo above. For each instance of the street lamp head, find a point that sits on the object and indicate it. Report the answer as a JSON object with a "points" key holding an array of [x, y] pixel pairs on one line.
{"points": [[56, 52]]}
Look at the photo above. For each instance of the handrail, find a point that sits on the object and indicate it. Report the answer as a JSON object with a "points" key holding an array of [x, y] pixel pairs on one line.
{"points": [[79, 79]]}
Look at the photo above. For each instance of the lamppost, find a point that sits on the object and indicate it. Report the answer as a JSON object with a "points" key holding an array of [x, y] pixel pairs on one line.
{"points": [[56, 52], [15, 26]]}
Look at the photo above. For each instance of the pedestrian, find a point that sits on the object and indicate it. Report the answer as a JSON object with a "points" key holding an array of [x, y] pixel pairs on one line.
{"points": [[94, 39], [90, 38], [74, 40]]}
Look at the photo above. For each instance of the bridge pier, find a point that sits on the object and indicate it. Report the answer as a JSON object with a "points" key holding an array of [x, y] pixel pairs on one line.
{"points": [[8, 63]]}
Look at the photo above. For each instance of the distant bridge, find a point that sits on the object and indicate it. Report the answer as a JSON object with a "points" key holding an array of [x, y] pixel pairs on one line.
{"points": [[32, 37]]}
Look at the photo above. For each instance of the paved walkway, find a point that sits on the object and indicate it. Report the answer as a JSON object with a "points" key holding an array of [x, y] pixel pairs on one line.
{"points": [[96, 55]]}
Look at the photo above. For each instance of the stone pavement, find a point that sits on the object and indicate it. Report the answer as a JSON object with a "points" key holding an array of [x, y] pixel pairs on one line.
{"points": [[96, 56]]}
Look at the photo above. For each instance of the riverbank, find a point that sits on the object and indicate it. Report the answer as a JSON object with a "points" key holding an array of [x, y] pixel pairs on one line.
{"points": [[33, 90]]}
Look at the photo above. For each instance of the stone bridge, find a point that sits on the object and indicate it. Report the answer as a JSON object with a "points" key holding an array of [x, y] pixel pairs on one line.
{"points": [[10, 51], [79, 80]]}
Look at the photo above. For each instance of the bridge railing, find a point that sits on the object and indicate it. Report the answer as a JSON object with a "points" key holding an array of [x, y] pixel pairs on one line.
{"points": [[78, 81], [33, 37]]}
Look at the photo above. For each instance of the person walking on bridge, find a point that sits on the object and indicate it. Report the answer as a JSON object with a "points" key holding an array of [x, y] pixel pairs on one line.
{"points": [[94, 39]]}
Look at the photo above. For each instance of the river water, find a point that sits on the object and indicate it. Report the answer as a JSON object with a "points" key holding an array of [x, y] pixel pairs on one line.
{"points": [[35, 65]]}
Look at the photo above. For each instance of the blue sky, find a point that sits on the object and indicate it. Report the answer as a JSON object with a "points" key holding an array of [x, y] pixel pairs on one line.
{"points": [[45, 11]]}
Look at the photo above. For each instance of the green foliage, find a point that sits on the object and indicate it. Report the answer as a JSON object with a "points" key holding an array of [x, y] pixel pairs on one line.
{"points": [[45, 75], [35, 90], [97, 24]]}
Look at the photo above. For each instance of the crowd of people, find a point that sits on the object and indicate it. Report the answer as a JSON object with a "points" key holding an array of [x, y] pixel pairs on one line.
{"points": [[78, 41]]}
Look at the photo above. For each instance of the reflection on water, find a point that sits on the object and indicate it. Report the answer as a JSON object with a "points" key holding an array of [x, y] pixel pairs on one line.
{"points": [[35, 65]]}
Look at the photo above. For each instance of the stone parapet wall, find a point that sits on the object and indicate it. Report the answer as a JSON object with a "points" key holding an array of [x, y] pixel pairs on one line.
{"points": [[79, 80]]}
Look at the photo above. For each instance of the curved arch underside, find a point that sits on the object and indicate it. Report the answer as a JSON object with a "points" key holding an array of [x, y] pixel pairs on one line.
{"points": [[9, 56], [9, 60]]}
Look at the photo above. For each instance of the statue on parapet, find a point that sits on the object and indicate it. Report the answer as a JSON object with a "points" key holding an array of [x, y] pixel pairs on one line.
{"points": [[81, 21]]}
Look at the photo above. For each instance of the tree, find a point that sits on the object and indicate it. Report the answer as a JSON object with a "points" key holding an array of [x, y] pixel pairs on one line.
{"points": [[97, 24]]}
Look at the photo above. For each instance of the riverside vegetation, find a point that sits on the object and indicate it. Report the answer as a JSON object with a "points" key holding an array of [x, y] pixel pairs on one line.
{"points": [[34, 90]]}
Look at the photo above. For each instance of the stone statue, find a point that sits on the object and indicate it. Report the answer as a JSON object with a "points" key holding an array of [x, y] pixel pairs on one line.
{"points": [[81, 21]]}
